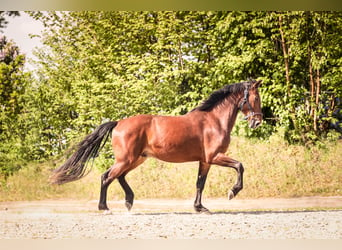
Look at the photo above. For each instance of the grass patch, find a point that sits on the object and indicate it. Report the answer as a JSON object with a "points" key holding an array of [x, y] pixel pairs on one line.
{"points": [[272, 169]]}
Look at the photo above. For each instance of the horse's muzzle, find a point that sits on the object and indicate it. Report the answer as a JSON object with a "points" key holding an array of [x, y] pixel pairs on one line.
{"points": [[254, 123]]}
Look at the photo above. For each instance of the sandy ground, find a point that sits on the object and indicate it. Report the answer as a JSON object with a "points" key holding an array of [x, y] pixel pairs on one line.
{"points": [[292, 218]]}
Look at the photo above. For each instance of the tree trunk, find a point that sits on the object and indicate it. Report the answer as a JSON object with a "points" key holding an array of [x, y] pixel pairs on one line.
{"points": [[285, 53], [318, 90], [312, 87]]}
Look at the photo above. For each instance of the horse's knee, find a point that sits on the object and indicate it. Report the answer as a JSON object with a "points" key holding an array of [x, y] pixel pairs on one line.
{"points": [[239, 168]]}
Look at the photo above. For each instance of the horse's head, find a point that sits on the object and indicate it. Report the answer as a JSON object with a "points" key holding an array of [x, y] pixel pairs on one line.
{"points": [[250, 104]]}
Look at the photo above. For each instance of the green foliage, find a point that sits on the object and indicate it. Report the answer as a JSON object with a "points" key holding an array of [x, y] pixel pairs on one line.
{"points": [[100, 66], [12, 88]]}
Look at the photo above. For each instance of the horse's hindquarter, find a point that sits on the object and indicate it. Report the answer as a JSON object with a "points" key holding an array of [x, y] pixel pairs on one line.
{"points": [[129, 137]]}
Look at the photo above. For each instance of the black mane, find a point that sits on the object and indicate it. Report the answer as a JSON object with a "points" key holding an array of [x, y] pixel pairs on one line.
{"points": [[218, 96]]}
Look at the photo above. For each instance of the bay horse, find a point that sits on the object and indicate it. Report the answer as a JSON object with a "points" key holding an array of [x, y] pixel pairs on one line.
{"points": [[202, 135]]}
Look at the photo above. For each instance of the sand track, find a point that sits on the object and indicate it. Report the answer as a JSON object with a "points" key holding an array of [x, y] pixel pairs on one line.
{"points": [[174, 219]]}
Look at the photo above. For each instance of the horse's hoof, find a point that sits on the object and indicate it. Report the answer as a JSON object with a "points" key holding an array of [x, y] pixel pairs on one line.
{"points": [[103, 207], [230, 195], [202, 210], [128, 206], [107, 212], [205, 211]]}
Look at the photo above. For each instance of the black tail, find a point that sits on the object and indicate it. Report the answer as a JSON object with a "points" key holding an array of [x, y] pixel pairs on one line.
{"points": [[74, 168]]}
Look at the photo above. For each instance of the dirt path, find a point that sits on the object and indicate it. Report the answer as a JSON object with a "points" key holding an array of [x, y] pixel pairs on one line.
{"points": [[174, 219]]}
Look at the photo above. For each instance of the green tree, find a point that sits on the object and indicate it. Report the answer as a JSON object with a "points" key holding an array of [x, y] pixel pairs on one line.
{"points": [[109, 65], [311, 65], [99, 66], [298, 57], [12, 87]]}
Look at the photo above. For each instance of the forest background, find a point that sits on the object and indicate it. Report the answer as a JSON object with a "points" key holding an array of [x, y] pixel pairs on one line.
{"points": [[101, 66]]}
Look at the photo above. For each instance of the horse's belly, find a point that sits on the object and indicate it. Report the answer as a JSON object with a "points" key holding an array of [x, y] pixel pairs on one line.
{"points": [[176, 158], [183, 152]]}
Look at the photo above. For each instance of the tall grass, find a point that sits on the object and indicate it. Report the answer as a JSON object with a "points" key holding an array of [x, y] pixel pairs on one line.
{"points": [[272, 169]]}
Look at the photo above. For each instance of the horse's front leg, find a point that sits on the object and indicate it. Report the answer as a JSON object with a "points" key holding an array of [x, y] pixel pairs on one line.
{"points": [[225, 161], [201, 178]]}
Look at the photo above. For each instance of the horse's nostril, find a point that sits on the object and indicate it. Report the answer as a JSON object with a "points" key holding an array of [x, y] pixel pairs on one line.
{"points": [[257, 123]]}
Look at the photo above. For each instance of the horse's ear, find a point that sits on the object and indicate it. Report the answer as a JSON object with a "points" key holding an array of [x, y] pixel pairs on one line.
{"points": [[257, 84]]}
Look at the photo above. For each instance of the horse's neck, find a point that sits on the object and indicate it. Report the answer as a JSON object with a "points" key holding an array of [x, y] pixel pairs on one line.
{"points": [[226, 114]]}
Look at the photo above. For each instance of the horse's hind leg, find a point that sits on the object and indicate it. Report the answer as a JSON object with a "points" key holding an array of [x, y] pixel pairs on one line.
{"points": [[129, 195], [118, 170], [103, 193], [106, 179]]}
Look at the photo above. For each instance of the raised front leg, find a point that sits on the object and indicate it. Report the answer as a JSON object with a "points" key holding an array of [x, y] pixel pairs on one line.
{"points": [[202, 177], [225, 161]]}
